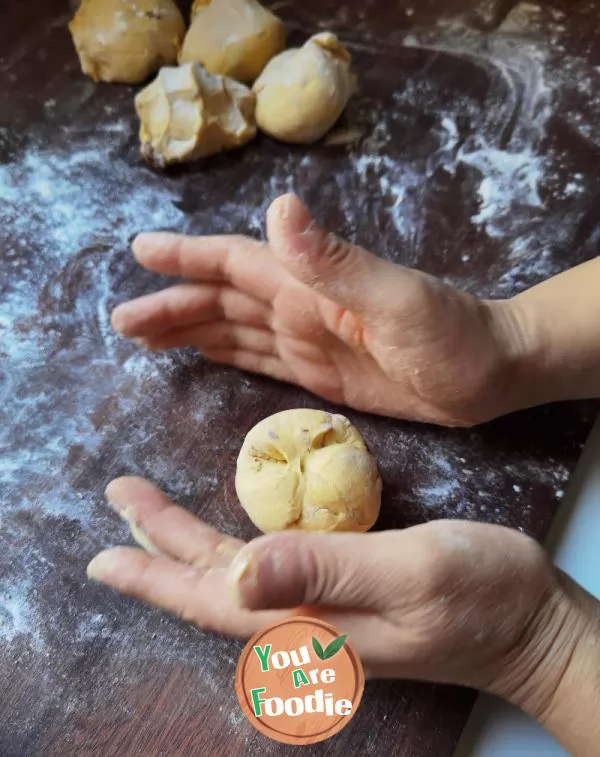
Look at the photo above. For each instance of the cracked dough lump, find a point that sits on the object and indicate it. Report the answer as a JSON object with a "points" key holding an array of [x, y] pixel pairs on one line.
{"points": [[126, 40], [308, 470], [186, 113]]}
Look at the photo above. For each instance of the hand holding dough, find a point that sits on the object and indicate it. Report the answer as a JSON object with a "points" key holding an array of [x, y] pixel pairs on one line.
{"points": [[308, 470], [233, 38], [302, 92], [126, 40], [186, 113]]}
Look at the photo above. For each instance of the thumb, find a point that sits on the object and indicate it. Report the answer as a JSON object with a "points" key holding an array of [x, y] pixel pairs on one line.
{"points": [[286, 570], [349, 275]]}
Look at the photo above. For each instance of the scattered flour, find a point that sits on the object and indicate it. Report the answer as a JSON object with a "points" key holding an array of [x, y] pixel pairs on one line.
{"points": [[15, 609], [59, 355], [76, 204]]}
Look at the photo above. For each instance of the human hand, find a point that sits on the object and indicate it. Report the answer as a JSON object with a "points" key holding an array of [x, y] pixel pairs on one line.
{"points": [[448, 601], [310, 309]]}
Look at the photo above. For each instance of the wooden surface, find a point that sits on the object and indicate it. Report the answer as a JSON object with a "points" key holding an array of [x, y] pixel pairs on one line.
{"points": [[479, 163]]}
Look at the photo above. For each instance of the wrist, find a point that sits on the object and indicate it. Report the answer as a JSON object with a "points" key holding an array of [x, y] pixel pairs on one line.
{"points": [[518, 347], [537, 367], [554, 676], [569, 710], [558, 337], [537, 377]]}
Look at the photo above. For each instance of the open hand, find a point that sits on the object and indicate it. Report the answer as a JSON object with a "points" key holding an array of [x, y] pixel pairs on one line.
{"points": [[313, 310], [448, 601]]}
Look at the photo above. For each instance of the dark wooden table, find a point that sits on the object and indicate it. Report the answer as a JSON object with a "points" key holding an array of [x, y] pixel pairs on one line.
{"points": [[479, 163]]}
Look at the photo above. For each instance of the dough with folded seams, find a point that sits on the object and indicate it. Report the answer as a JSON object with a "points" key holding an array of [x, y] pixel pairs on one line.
{"points": [[308, 470]]}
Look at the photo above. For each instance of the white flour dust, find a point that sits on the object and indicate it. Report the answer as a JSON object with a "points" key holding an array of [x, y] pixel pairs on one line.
{"points": [[516, 181], [77, 209], [53, 202], [77, 203]]}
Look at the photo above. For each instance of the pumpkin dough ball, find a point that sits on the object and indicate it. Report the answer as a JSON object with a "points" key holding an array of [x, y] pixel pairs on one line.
{"points": [[187, 113], [235, 38], [302, 92], [308, 470], [126, 40]]}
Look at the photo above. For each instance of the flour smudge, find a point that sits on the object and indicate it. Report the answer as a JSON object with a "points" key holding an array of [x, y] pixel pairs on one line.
{"points": [[77, 399]]}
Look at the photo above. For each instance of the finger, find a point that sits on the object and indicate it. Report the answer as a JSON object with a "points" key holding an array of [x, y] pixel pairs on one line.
{"points": [[352, 277], [170, 530], [244, 263], [194, 595], [335, 570], [187, 305], [221, 335], [202, 597], [252, 362]]}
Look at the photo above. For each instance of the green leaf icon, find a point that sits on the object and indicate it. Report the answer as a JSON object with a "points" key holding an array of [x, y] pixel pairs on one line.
{"points": [[318, 648], [335, 646]]}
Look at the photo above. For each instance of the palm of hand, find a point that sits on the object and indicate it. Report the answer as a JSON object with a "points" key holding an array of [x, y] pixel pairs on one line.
{"points": [[354, 329], [363, 332], [445, 601]]}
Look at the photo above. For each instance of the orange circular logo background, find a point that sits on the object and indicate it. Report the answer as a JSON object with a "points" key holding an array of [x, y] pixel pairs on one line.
{"points": [[299, 681]]}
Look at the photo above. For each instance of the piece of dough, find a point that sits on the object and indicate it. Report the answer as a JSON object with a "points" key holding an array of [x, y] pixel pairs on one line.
{"points": [[302, 92], [126, 40], [308, 470], [234, 38], [187, 113]]}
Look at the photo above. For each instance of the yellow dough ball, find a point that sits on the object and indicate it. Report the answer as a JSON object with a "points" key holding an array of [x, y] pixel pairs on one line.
{"points": [[235, 38], [126, 40], [308, 470], [302, 92], [187, 113]]}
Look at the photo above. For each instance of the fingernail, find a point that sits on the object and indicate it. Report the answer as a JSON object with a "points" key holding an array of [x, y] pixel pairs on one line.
{"points": [[242, 575], [117, 321], [112, 500], [101, 566], [285, 206], [299, 219], [141, 538]]}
